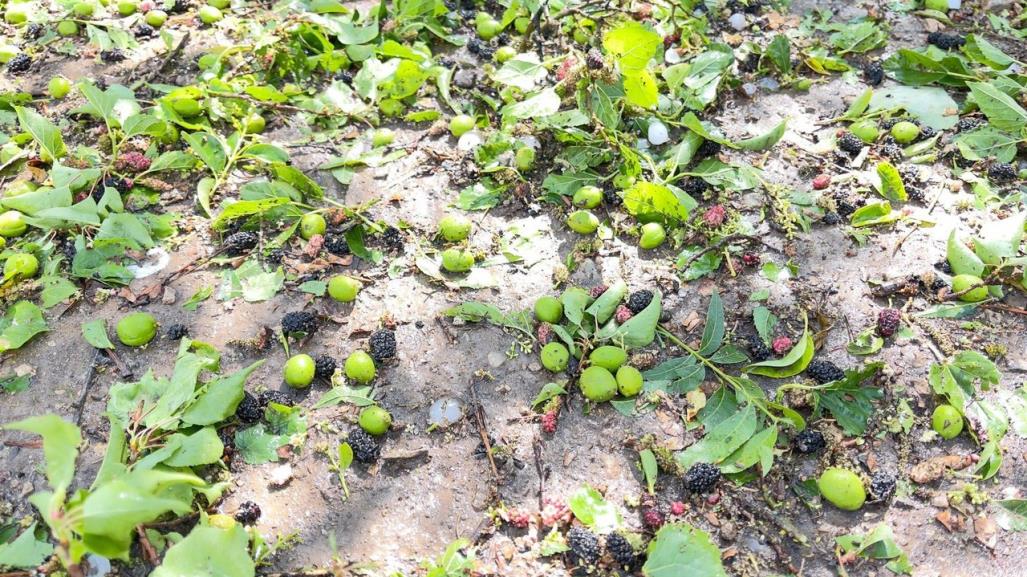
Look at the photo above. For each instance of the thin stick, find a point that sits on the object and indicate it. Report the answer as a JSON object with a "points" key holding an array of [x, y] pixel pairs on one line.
{"points": [[171, 55], [479, 417], [90, 377]]}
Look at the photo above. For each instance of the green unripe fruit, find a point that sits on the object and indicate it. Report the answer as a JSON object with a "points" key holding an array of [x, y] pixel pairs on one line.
{"points": [[312, 223], [156, 18], [629, 381], [457, 260], [905, 132], [521, 24], [210, 15], [582, 222], [581, 36], [524, 158], [20, 266], [19, 187], [67, 28], [299, 371], [555, 357], [12, 223], [343, 288], [360, 367], [609, 357], [84, 9], [946, 421], [939, 5], [865, 130], [391, 107], [549, 310], [455, 227], [382, 137], [16, 14], [253, 124], [375, 420], [461, 124], [219, 4], [127, 7], [623, 181], [136, 329], [963, 282], [504, 53], [652, 236], [186, 107], [842, 488], [597, 384], [59, 87], [6, 53], [588, 197], [488, 28]]}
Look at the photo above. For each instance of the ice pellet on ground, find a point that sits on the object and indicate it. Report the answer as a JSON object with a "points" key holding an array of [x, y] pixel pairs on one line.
{"points": [[445, 412], [737, 21], [657, 134]]}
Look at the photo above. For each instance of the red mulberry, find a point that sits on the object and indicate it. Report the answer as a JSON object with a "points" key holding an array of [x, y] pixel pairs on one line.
{"points": [[549, 422], [544, 332], [888, 322], [715, 215], [781, 345], [623, 314]]}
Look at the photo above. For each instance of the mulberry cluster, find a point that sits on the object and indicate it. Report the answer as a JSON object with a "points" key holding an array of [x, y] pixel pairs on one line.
{"points": [[701, 477], [275, 256], [824, 371], [873, 73], [620, 550], [584, 545], [112, 56], [132, 161], [346, 77], [248, 513], [1001, 172], [177, 332], [781, 345], [715, 215], [916, 194], [611, 197], [249, 409], [544, 333], [365, 448], [809, 441], [594, 60], [597, 291], [850, 143], [639, 300], [888, 322], [299, 322], [336, 244], [549, 422], [392, 238], [20, 63], [758, 349], [750, 259], [34, 30], [882, 485], [121, 185], [831, 219], [926, 132], [967, 123], [946, 40], [276, 397], [480, 48], [695, 186], [324, 367], [179, 6], [707, 149], [382, 344], [623, 314], [892, 150], [844, 207], [144, 31], [239, 243]]}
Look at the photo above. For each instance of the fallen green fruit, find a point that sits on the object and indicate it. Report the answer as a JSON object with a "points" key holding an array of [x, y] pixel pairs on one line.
{"points": [[457, 260], [555, 357], [865, 130], [156, 18], [597, 384], [20, 265], [312, 223], [12, 223], [67, 28], [842, 488], [299, 371], [652, 236], [210, 15], [549, 309], [966, 282], [588, 197], [582, 222], [460, 125], [905, 132], [343, 288], [375, 420], [360, 367], [629, 381], [136, 329], [455, 227], [947, 421], [59, 87], [609, 357]]}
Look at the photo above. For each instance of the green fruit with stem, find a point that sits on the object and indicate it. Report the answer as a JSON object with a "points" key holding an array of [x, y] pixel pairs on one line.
{"points": [[136, 329], [375, 420], [549, 310], [83, 9], [629, 381], [582, 222], [555, 357], [865, 130], [597, 384], [59, 87], [947, 421], [905, 132], [186, 107], [587, 197], [609, 357], [360, 367], [966, 282], [623, 181], [461, 124], [488, 28], [20, 265], [67, 28], [299, 371], [156, 18], [253, 123], [343, 288], [312, 223], [457, 260], [842, 488], [504, 53], [12, 223], [652, 236], [127, 7], [382, 137], [524, 158], [454, 227], [210, 15]]}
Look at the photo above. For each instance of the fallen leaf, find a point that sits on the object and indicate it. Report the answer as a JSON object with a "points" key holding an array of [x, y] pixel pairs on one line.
{"points": [[986, 531], [949, 521], [932, 469]]}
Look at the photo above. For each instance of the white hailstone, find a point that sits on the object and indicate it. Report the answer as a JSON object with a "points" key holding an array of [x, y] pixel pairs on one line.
{"points": [[657, 134], [737, 21]]}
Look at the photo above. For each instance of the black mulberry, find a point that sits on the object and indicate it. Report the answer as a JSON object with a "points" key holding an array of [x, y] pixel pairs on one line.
{"points": [[249, 410], [119, 184], [19, 63], [707, 149], [926, 132], [946, 40], [144, 31], [850, 143], [594, 60], [275, 256], [844, 207], [392, 238], [888, 322], [639, 300], [177, 332], [179, 6], [276, 397], [611, 197], [299, 322], [873, 73], [240, 243], [382, 345], [112, 56], [336, 244], [916, 194], [248, 513], [365, 448], [824, 371], [695, 186], [967, 123], [584, 545], [809, 441], [701, 477], [620, 550], [758, 349], [882, 485], [34, 30], [324, 367], [1001, 172], [831, 218], [892, 151]]}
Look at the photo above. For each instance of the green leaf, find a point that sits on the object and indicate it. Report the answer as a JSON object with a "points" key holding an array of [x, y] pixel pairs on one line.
{"points": [[1014, 517], [523, 71], [789, 365], [979, 49], [209, 148], [204, 191], [758, 449], [678, 376], [632, 45], [780, 53], [338, 394], [639, 331], [22, 321], [203, 293], [721, 440], [858, 37], [961, 258], [25, 552], [203, 447], [680, 549], [764, 321], [1002, 111], [603, 307], [43, 132], [641, 90], [95, 333], [930, 105], [219, 398], [865, 343], [593, 511], [713, 332], [549, 391], [651, 201], [543, 103], [56, 289], [345, 456], [892, 187], [173, 160], [766, 140], [849, 402], [209, 551], [986, 142], [874, 213], [60, 446], [858, 106], [650, 468]]}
